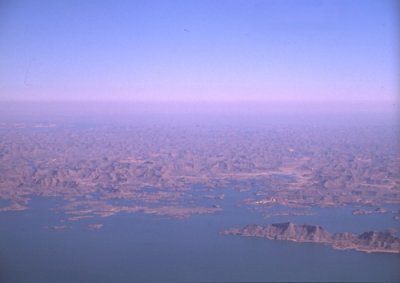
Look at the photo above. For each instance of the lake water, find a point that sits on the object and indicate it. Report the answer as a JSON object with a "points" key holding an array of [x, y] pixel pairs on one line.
{"points": [[146, 248]]}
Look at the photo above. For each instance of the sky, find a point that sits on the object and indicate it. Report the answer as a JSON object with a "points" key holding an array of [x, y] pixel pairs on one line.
{"points": [[200, 51]]}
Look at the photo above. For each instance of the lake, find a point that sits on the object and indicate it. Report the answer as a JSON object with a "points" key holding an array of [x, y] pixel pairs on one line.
{"points": [[147, 248]]}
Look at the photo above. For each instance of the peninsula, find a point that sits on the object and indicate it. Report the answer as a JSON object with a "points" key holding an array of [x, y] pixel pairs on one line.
{"points": [[369, 242]]}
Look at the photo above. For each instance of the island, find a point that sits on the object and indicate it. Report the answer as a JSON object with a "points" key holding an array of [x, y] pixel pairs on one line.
{"points": [[95, 226], [369, 242]]}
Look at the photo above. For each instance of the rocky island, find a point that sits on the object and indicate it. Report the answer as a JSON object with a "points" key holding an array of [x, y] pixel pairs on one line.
{"points": [[370, 242]]}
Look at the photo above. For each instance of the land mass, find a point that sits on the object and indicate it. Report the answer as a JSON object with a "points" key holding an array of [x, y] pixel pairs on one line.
{"points": [[370, 242], [101, 169]]}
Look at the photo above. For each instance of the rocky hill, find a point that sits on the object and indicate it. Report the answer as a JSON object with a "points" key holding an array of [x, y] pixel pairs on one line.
{"points": [[155, 166], [369, 242]]}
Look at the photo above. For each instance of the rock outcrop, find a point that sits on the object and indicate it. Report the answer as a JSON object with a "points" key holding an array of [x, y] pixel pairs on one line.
{"points": [[369, 242]]}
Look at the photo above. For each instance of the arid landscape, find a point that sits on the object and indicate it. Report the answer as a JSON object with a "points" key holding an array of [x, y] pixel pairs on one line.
{"points": [[102, 170], [199, 141], [369, 242]]}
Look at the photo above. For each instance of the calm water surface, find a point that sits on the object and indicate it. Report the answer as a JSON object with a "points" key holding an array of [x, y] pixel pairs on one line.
{"points": [[145, 248]]}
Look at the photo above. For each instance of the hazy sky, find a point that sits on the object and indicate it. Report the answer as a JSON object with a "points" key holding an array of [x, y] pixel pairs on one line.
{"points": [[199, 50]]}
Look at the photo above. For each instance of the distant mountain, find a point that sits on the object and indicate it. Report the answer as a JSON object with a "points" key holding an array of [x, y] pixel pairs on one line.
{"points": [[370, 242]]}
